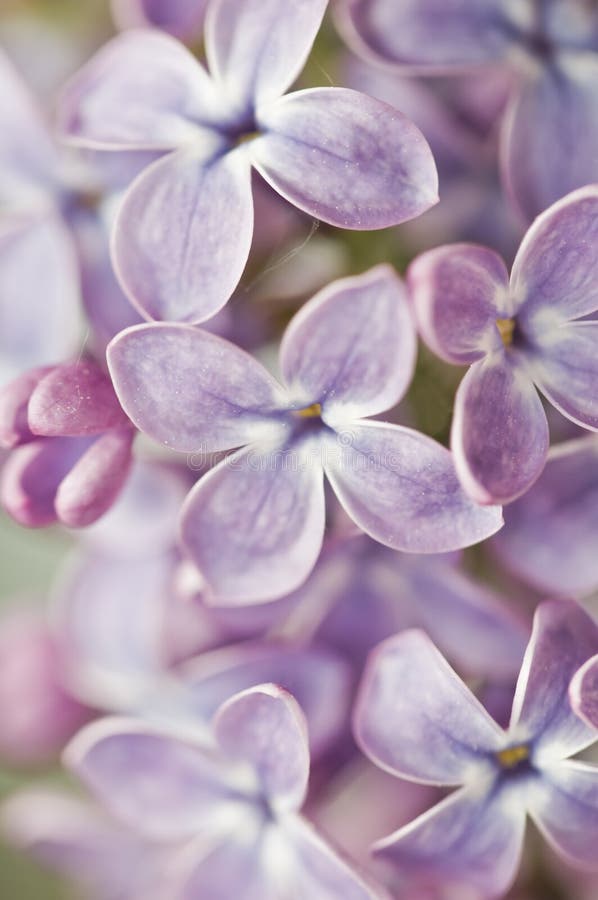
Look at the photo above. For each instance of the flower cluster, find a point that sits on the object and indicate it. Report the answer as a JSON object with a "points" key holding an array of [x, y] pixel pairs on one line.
{"points": [[270, 649]]}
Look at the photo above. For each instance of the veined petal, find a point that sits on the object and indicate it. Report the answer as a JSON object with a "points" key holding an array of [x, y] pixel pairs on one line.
{"points": [[183, 233], [254, 524], [400, 487], [583, 692], [458, 292], [564, 636], [474, 837], [257, 48], [191, 390], [143, 90], [499, 433], [415, 718], [352, 347], [181, 18], [345, 158], [555, 273], [265, 727]]}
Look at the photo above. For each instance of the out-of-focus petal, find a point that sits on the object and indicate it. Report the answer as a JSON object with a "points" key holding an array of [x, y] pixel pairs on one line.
{"points": [[254, 524], [499, 432], [583, 692], [564, 636], [191, 390], [401, 488], [352, 347], [345, 158], [415, 718], [14, 400], [181, 18], [256, 48], [458, 292]]}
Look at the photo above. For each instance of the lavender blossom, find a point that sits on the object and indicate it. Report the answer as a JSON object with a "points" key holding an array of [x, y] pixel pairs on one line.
{"points": [[531, 331], [181, 18], [417, 720]]}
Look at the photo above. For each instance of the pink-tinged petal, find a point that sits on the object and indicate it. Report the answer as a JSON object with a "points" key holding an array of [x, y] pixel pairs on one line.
{"points": [[400, 487], [74, 400], [257, 48], [415, 718], [254, 524], [432, 35], [95, 480], [474, 837], [165, 788], [142, 91], [181, 18], [352, 348], [549, 536], [458, 292], [564, 636], [264, 726], [499, 434], [191, 390], [564, 806], [564, 365], [345, 158], [555, 273], [14, 400], [549, 134], [583, 692], [183, 233]]}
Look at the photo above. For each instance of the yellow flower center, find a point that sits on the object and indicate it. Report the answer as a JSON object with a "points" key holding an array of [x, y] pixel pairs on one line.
{"points": [[309, 412], [512, 756], [506, 327]]}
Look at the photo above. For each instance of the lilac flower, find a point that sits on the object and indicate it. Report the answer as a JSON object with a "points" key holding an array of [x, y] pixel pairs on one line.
{"points": [[550, 127], [417, 720], [516, 335], [583, 692], [182, 18], [72, 445], [254, 524], [236, 807], [184, 230]]}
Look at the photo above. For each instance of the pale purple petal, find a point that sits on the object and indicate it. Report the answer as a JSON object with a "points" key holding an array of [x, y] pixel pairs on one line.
{"points": [[400, 487], [265, 727], [254, 524], [182, 18], [564, 806], [189, 389], [142, 91], [345, 158], [499, 433], [257, 48], [232, 868], [164, 787], [550, 133], [415, 718], [583, 692], [14, 399], [458, 292], [473, 837], [433, 35], [183, 233], [352, 348], [555, 273], [564, 636]]}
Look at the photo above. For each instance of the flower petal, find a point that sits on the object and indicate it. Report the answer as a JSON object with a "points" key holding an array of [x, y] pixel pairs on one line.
{"points": [[254, 524], [400, 487], [14, 400], [414, 716], [183, 233], [499, 434], [473, 837], [181, 18], [458, 292], [189, 389], [265, 727], [564, 636], [552, 120], [257, 48], [352, 348], [345, 158], [583, 692]]}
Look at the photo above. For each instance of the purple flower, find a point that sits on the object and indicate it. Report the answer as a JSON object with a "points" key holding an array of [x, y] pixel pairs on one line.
{"points": [[236, 806], [417, 720], [583, 692], [254, 524], [550, 128], [183, 233], [516, 335], [182, 18]]}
